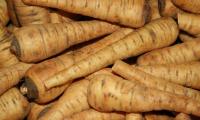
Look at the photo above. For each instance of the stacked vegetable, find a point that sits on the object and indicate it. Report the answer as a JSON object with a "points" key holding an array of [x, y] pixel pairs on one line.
{"points": [[62, 59]]}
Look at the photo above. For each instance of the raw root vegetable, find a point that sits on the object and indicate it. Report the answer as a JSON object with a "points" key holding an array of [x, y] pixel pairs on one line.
{"points": [[37, 74], [22, 14], [186, 74], [134, 116], [157, 34], [168, 9], [37, 110], [57, 18], [133, 74], [4, 18], [188, 5], [7, 58], [182, 116], [179, 53], [95, 115], [37, 42], [11, 76], [111, 93], [73, 100], [190, 23], [13, 105], [157, 117], [133, 13], [154, 9], [186, 38]]}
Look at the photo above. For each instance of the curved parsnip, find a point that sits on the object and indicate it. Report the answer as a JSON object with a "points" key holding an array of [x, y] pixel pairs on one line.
{"points": [[111, 93], [133, 74]]}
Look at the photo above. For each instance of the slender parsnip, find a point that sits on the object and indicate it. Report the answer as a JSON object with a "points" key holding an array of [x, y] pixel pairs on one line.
{"points": [[157, 34], [37, 42], [111, 93], [188, 5], [92, 114], [133, 74], [186, 74], [73, 100], [133, 13], [40, 72], [13, 105], [179, 53]]}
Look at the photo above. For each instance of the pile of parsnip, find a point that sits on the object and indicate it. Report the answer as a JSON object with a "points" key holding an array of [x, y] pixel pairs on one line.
{"points": [[99, 59]]}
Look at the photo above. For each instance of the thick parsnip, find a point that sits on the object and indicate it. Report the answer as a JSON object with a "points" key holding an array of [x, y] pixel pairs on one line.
{"points": [[134, 116], [92, 114], [182, 116], [186, 74], [133, 13], [133, 74], [157, 34], [40, 72], [73, 100], [188, 5], [189, 23], [37, 42], [13, 105], [4, 17], [22, 14], [179, 53], [111, 93], [11, 76]]}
